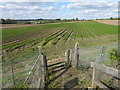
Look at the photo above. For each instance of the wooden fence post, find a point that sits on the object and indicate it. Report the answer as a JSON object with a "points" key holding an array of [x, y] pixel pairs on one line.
{"points": [[42, 83], [93, 78], [71, 57], [76, 55], [67, 55], [43, 65]]}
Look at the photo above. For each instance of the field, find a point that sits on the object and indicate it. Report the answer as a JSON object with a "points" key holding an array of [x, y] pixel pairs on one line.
{"points": [[112, 22], [21, 44]]}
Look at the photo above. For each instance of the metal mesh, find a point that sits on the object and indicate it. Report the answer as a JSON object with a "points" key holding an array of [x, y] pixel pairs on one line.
{"points": [[21, 68], [107, 55], [98, 54]]}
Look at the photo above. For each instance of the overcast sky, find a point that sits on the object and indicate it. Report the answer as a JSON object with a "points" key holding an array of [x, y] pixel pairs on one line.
{"points": [[51, 9]]}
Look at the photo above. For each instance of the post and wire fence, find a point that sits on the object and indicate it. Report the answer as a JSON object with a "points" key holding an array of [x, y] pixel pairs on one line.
{"points": [[77, 57], [36, 77], [100, 56]]}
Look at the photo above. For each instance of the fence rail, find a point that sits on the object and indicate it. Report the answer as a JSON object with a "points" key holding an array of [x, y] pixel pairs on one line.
{"points": [[102, 68]]}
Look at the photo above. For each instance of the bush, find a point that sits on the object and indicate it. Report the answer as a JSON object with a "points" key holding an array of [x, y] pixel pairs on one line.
{"points": [[114, 58]]}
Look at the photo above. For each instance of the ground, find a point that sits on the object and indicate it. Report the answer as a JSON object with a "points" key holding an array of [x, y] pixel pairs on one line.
{"points": [[20, 46], [111, 22]]}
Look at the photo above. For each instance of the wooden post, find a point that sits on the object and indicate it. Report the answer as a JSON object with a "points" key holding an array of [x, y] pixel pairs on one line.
{"points": [[67, 55], [40, 49], [42, 83], [71, 57], [43, 66], [76, 55], [45, 62], [93, 78]]}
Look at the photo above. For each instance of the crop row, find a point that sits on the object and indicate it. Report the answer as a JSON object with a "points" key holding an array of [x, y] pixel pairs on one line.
{"points": [[28, 43]]}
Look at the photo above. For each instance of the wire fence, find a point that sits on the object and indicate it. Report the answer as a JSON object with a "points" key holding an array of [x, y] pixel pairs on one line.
{"points": [[15, 71], [107, 55], [98, 54], [27, 70]]}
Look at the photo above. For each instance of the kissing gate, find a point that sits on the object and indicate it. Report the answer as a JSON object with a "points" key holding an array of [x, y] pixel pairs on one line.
{"points": [[38, 79]]}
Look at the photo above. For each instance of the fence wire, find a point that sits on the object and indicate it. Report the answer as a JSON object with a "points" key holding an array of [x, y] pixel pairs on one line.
{"points": [[107, 55], [21, 68], [98, 54]]}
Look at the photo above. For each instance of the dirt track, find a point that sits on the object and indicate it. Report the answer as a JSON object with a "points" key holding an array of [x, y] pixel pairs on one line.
{"points": [[111, 22]]}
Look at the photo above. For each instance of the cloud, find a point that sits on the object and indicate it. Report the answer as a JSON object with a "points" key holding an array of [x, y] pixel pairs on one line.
{"points": [[58, 1], [79, 6], [48, 9], [59, 10], [91, 11], [34, 0], [28, 6]]}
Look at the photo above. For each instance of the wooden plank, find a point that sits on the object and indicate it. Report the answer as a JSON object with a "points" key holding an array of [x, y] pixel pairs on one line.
{"points": [[93, 78], [101, 85], [112, 71]]}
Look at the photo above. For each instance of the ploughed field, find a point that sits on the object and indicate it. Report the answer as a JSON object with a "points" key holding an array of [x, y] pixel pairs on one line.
{"points": [[21, 44], [111, 22]]}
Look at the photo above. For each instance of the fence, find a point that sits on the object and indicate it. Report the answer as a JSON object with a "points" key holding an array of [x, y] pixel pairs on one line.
{"points": [[74, 58], [38, 79], [105, 69]]}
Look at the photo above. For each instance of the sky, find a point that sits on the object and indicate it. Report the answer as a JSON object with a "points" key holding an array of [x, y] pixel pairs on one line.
{"points": [[64, 9]]}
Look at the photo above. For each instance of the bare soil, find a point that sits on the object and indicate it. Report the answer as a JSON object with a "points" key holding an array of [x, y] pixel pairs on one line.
{"points": [[111, 22], [5, 26]]}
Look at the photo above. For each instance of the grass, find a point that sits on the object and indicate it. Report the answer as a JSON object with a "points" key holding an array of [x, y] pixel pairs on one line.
{"points": [[55, 40]]}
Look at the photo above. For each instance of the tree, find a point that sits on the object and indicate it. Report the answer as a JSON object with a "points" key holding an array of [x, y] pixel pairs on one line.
{"points": [[73, 19], [58, 19], [111, 17], [65, 20], [2, 21], [77, 19]]}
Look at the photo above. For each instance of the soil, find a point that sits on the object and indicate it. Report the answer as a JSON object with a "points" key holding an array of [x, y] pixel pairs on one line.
{"points": [[5, 26], [111, 22]]}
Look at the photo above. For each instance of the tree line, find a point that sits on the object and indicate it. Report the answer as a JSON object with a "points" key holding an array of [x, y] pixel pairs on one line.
{"points": [[34, 21]]}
